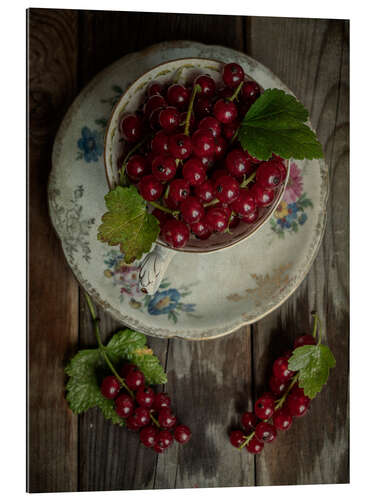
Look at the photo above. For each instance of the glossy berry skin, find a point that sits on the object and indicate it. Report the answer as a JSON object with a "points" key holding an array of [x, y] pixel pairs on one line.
{"points": [[265, 432], [132, 423], [297, 405], [205, 191], [225, 111], [154, 88], [217, 219], [254, 446], [153, 119], [201, 229], [233, 75], [263, 197], [164, 168], [160, 215], [282, 420], [152, 103], [230, 129], [250, 91], [194, 172], [166, 419], [164, 439], [124, 406], [282, 170], [245, 203], [238, 163], [135, 379], [161, 400], [178, 190], [132, 128], [211, 124], [203, 106], [178, 96], [264, 406], [169, 118], [136, 167], [237, 438], [126, 369], [110, 387], [148, 436], [220, 147], [159, 143], [251, 217], [150, 188], [203, 143], [207, 161], [280, 369], [175, 233], [207, 85], [216, 174], [141, 416], [304, 340], [226, 189], [158, 449], [180, 146], [145, 397], [183, 117], [191, 210], [248, 421], [277, 386], [182, 434], [268, 176]]}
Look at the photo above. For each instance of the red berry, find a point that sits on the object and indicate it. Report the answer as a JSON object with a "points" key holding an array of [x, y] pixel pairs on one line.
{"points": [[203, 106], [154, 88], [230, 129], [152, 103], [164, 439], [166, 419], [250, 91], [154, 118], [132, 423], [148, 436], [216, 218], [124, 406], [249, 421], [191, 210], [150, 188], [132, 127], [245, 203], [227, 189], [251, 217], [304, 340], [264, 406], [297, 405], [159, 143], [225, 111], [161, 400], [160, 215], [207, 161], [282, 420], [163, 168], [263, 197], [175, 233], [194, 172], [180, 146], [277, 386], [135, 379], [141, 416], [178, 190], [145, 397], [237, 438], [265, 432], [205, 191], [233, 75], [254, 446], [201, 229], [182, 434], [110, 387], [268, 176], [225, 92], [280, 369], [178, 95], [183, 118], [218, 173], [211, 124], [169, 118], [203, 143], [207, 85], [136, 167], [158, 448], [127, 368], [282, 169], [238, 163]]}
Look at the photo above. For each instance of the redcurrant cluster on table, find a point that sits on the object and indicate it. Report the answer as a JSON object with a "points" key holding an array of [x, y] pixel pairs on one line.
{"points": [[143, 410], [274, 411], [182, 153]]}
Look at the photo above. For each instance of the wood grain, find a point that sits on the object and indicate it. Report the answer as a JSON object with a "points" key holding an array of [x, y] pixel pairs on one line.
{"points": [[53, 297]]}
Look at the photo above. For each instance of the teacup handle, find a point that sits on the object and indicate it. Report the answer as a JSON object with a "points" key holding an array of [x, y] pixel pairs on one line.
{"points": [[153, 267]]}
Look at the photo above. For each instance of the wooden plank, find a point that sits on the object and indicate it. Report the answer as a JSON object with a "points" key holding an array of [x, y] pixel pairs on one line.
{"points": [[53, 292], [311, 56]]}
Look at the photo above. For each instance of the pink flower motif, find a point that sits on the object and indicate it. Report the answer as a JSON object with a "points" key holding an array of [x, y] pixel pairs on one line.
{"points": [[294, 187]]}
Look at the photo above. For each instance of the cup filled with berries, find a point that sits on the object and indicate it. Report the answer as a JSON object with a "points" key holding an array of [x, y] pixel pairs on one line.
{"points": [[177, 169]]}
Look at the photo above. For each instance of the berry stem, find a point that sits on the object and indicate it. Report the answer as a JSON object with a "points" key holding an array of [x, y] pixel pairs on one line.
{"points": [[154, 419], [102, 347], [212, 202], [248, 180], [247, 440], [122, 175], [163, 208], [196, 89], [235, 135], [237, 91], [282, 400]]}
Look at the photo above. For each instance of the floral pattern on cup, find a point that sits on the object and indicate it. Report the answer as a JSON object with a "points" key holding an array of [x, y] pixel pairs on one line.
{"points": [[291, 212], [90, 145], [167, 300]]}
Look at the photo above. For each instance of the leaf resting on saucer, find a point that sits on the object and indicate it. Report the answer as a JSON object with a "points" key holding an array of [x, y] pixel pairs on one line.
{"points": [[128, 223], [275, 124]]}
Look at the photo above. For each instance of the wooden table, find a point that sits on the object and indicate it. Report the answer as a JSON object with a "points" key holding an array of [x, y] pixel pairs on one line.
{"points": [[212, 381]]}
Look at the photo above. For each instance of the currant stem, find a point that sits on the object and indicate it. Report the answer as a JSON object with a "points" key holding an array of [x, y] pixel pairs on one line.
{"points": [[282, 400], [127, 157], [212, 202], [163, 208], [196, 89], [248, 180], [154, 420], [235, 135], [102, 347], [237, 91], [247, 440]]}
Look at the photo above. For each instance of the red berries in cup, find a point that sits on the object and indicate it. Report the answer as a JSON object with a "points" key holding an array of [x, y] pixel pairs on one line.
{"points": [[181, 153]]}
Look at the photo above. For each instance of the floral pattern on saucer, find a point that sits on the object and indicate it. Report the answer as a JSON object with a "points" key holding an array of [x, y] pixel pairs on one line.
{"points": [[90, 145]]}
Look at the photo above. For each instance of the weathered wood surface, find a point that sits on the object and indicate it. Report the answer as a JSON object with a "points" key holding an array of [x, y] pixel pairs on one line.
{"points": [[210, 382]]}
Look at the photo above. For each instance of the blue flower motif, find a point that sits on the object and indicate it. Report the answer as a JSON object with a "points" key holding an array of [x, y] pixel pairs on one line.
{"points": [[302, 219], [164, 302], [293, 207], [90, 144]]}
